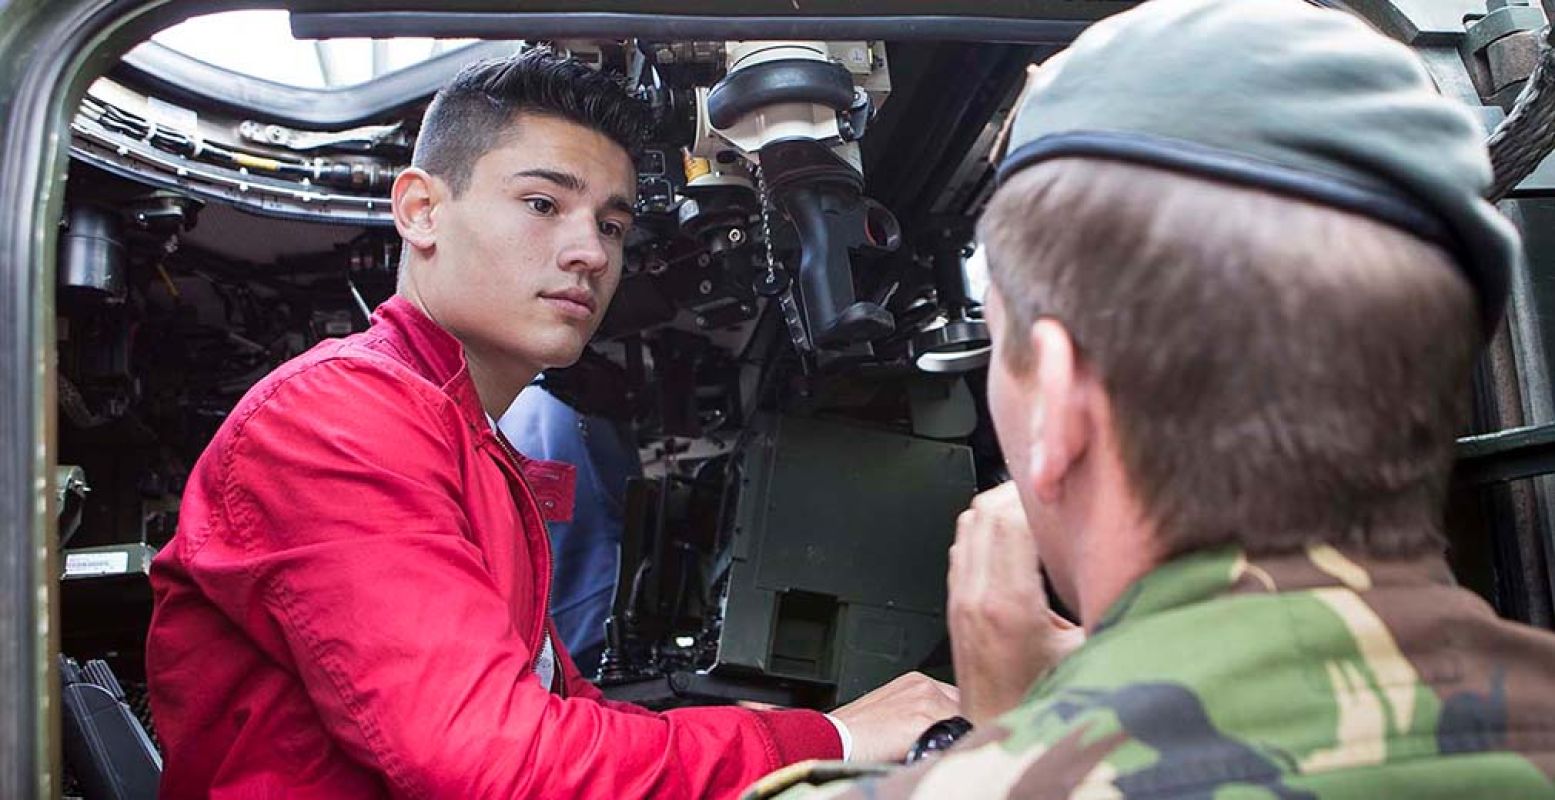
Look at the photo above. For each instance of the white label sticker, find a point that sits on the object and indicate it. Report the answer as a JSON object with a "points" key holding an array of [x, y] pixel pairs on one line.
{"points": [[78, 564], [176, 117]]}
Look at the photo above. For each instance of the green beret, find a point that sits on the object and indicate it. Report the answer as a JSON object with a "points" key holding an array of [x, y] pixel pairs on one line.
{"points": [[1280, 95]]}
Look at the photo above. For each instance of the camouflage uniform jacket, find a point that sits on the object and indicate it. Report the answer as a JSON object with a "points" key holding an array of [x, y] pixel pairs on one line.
{"points": [[1307, 676]]}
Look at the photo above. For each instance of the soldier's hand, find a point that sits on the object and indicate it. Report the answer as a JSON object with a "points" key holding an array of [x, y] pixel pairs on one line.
{"points": [[1003, 635], [885, 722]]}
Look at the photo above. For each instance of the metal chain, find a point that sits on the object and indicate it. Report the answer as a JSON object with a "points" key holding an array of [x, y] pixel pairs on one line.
{"points": [[766, 224], [792, 316]]}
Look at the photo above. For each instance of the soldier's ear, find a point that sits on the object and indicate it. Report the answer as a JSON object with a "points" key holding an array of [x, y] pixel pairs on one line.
{"points": [[1062, 426]]}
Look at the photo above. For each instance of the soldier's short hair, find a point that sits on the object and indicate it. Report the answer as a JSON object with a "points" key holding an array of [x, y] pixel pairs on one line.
{"points": [[1281, 372]]}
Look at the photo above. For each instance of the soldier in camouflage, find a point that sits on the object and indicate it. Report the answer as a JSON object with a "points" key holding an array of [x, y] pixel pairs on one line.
{"points": [[1241, 271]]}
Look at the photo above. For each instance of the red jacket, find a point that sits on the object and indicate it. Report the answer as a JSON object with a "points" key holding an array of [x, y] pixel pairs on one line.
{"points": [[357, 594]]}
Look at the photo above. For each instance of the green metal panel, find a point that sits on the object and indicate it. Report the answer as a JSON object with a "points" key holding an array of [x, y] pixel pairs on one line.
{"points": [[858, 518]]}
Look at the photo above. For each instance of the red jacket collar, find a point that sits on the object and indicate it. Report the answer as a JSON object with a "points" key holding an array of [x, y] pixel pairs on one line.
{"points": [[432, 351], [436, 355]]}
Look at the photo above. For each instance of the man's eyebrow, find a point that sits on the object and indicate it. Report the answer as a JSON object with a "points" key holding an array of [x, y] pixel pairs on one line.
{"points": [[619, 203], [566, 180], [571, 182]]}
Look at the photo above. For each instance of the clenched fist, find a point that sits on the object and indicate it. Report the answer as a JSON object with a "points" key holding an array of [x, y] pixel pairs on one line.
{"points": [[1003, 635]]}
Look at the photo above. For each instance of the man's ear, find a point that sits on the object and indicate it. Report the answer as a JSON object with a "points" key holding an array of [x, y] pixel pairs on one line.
{"points": [[1062, 427], [415, 196]]}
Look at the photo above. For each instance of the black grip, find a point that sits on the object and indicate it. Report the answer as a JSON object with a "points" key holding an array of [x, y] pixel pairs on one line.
{"points": [[107, 749], [834, 316]]}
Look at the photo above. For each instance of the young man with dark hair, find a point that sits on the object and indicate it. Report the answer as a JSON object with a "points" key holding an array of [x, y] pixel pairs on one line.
{"points": [[356, 602], [1241, 268]]}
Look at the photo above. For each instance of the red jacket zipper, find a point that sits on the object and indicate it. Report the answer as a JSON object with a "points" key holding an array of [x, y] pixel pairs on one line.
{"points": [[559, 686]]}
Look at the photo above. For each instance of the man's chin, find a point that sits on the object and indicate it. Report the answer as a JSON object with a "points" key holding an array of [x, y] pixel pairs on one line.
{"points": [[553, 353], [560, 357]]}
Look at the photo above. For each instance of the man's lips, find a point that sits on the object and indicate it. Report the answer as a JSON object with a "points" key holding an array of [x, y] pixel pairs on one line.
{"points": [[578, 303]]}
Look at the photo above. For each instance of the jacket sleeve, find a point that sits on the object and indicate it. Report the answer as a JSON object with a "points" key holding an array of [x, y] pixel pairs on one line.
{"points": [[344, 543], [579, 686]]}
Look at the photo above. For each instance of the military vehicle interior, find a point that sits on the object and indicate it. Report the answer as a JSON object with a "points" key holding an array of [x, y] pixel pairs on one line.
{"points": [[797, 343], [779, 333]]}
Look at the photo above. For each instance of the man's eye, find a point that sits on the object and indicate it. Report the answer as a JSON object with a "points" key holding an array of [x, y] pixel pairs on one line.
{"points": [[541, 205], [614, 230]]}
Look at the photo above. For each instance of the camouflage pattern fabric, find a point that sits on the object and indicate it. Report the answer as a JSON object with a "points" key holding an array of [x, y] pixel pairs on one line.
{"points": [[1306, 677]]}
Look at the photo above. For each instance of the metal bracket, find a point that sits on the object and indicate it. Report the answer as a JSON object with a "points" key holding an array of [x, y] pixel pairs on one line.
{"points": [[1504, 20], [1507, 455]]}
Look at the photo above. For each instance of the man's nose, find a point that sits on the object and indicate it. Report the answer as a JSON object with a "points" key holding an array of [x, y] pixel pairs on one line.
{"points": [[584, 250]]}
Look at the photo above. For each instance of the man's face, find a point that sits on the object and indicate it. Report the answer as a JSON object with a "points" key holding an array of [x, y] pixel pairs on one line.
{"points": [[1015, 404], [529, 255]]}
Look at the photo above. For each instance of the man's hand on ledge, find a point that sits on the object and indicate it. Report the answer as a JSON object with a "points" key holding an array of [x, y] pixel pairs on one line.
{"points": [[885, 722]]}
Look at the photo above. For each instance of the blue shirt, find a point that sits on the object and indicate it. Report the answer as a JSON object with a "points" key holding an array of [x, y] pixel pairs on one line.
{"points": [[587, 550]]}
